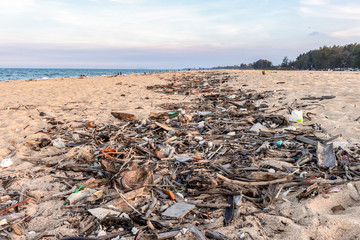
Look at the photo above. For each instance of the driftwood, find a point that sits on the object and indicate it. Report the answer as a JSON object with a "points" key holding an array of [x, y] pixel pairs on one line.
{"points": [[262, 183]]}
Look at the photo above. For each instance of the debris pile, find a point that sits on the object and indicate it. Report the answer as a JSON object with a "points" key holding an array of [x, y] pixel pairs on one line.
{"points": [[186, 171]]}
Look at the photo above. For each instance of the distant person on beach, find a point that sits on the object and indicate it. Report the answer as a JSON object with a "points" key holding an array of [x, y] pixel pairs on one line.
{"points": [[82, 76]]}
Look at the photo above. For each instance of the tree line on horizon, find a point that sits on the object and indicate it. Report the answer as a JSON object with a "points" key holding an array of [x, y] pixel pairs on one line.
{"points": [[324, 58]]}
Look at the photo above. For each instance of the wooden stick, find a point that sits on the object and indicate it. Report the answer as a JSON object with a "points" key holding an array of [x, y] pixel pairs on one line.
{"points": [[18, 204], [22, 192], [96, 141], [306, 140], [151, 207], [262, 183], [215, 192], [211, 205], [124, 199], [72, 190], [167, 235], [318, 181], [195, 231]]}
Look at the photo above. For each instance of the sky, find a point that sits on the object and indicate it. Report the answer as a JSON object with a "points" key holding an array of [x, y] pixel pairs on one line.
{"points": [[169, 34]]}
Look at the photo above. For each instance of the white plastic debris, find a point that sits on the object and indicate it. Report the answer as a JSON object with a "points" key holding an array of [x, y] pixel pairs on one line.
{"points": [[238, 200], [101, 213], [288, 144], [296, 116], [134, 230], [124, 215], [3, 222], [227, 166], [171, 132], [257, 127], [76, 137], [167, 150], [289, 128], [288, 191], [264, 146], [178, 210], [101, 233], [6, 162], [198, 138], [201, 124], [59, 144], [180, 196], [182, 157], [243, 235], [342, 144], [203, 113]]}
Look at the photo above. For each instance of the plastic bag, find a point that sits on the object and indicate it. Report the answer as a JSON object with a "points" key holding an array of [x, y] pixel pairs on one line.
{"points": [[296, 116]]}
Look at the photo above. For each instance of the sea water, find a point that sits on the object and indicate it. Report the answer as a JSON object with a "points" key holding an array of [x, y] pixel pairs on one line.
{"points": [[46, 73]]}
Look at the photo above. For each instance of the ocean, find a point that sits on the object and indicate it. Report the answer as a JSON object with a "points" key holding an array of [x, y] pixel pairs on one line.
{"points": [[46, 73]]}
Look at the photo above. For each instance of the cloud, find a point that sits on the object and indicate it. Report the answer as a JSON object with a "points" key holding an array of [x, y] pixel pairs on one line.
{"points": [[119, 1], [349, 33], [318, 34], [314, 34], [330, 9], [314, 2], [128, 25], [170, 28], [136, 57], [16, 6]]}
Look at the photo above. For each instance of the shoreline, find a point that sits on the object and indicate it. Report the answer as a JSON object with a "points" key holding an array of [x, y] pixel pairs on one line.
{"points": [[53, 73]]}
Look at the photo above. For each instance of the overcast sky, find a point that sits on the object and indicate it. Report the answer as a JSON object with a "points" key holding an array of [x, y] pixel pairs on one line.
{"points": [[167, 33]]}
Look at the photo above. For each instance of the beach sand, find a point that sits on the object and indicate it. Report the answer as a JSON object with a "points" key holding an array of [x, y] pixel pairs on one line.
{"points": [[92, 99]]}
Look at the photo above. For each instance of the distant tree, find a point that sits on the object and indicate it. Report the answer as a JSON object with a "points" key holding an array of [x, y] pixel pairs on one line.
{"points": [[326, 57], [330, 57], [262, 64], [285, 62]]}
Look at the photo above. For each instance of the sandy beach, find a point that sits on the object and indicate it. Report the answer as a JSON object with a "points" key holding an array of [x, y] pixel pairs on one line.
{"points": [[75, 102]]}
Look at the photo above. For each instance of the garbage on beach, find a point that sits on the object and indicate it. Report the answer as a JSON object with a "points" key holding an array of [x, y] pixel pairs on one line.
{"points": [[59, 144], [326, 156], [196, 165], [257, 128], [296, 116], [6, 162]]}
